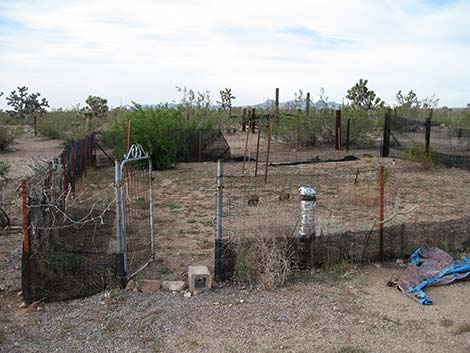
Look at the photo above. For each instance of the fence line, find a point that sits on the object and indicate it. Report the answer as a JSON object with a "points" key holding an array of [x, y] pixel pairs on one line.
{"points": [[66, 227]]}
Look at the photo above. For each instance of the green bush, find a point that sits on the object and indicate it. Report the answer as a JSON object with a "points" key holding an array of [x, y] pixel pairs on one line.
{"points": [[4, 167], [66, 125], [6, 137], [417, 153], [162, 132]]}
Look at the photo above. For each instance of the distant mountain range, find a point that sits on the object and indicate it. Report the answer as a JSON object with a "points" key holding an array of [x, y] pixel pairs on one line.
{"points": [[269, 103]]}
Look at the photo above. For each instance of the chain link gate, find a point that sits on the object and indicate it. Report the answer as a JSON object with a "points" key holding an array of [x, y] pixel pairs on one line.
{"points": [[134, 213]]}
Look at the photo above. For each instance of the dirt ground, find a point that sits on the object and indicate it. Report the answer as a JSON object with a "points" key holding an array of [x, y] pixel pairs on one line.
{"points": [[345, 309]]}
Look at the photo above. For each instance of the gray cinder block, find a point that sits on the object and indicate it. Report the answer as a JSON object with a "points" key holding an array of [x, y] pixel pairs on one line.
{"points": [[199, 278]]}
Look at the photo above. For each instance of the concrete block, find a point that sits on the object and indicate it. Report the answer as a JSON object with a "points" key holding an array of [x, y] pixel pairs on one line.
{"points": [[199, 278]]}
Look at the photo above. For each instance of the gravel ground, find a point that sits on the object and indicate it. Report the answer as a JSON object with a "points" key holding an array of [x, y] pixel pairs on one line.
{"points": [[339, 312]]}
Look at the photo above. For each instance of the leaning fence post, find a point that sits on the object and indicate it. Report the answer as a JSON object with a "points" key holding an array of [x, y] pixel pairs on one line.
{"points": [[386, 140], [257, 149], [218, 238], [120, 272], [26, 269], [306, 226], [428, 133], [245, 153], [267, 152]]}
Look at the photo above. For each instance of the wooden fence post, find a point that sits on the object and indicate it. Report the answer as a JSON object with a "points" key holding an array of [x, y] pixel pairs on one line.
{"points": [[267, 152], [428, 133], [338, 130], [307, 106], [348, 132], [257, 149], [245, 153], [386, 139], [276, 108], [382, 213]]}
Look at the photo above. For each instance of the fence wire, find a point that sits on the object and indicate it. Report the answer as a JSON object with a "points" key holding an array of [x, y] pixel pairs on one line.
{"points": [[417, 207], [138, 228], [69, 228]]}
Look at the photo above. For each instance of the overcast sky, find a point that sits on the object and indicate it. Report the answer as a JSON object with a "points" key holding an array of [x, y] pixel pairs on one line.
{"points": [[142, 49]]}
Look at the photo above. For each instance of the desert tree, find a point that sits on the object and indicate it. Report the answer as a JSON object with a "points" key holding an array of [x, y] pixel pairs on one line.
{"points": [[96, 107], [24, 104], [362, 98], [226, 98], [196, 106]]}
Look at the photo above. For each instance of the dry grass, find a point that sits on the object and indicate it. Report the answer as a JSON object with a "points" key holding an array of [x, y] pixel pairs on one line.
{"points": [[267, 258]]}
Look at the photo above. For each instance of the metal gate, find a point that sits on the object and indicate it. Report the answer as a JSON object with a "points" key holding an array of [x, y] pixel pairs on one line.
{"points": [[134, 213]]}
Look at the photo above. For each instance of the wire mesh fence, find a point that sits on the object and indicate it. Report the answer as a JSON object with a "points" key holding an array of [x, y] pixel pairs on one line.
{"points": [[135, 235], [419, 206], [68, 227]]}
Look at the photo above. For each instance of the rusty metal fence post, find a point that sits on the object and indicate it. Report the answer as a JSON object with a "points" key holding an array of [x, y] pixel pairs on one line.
{"points": [[26, 268]]}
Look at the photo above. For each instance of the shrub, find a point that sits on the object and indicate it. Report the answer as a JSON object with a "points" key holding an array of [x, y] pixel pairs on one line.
{"points": [[66, 125], [6, 137], [4, 167], [163, 132], [417, 153], [267, 258]]}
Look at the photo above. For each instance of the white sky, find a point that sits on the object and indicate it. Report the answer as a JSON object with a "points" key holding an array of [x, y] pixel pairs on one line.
{"points": [[141, 49]]}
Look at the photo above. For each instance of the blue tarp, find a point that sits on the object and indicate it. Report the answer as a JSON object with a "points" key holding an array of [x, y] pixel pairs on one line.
{"points": [[431, 267]]}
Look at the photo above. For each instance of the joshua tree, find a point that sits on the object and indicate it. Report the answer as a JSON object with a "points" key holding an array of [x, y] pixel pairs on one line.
{"points": [[25, 104], [363, 98], [226, 98], [97, 107]]}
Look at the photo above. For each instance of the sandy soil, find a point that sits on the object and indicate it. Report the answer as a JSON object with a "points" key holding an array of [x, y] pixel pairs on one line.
{"points": [[348, 309]]}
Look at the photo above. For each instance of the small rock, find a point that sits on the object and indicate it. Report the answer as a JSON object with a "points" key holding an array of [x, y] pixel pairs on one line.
{"points": [[19, 294], [174, 286], [399, 262], [130, 285], [242, 301], [149, 285], [23, 306], [35, 305], [187, 295]]}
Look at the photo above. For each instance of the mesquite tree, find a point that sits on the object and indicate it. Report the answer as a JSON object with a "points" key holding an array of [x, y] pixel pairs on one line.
{"points": [[25, 104]]}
